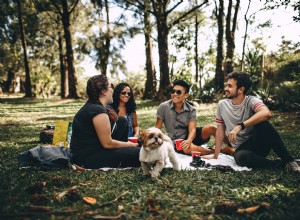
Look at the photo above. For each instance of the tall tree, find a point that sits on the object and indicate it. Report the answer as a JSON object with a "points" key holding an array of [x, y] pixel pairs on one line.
{"points": [[28, 92], [9, 43], [219, 73], [230, 34], [248, 19], [161, 13], [63, 10], [102, 44], [150, 85]]}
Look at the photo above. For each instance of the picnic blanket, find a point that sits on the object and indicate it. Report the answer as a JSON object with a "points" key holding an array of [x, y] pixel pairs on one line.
{"points": [[185, 160], [223, 159]]}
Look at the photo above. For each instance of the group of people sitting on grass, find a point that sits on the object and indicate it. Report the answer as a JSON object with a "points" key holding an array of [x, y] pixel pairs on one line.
{"points": [[102, 126]]}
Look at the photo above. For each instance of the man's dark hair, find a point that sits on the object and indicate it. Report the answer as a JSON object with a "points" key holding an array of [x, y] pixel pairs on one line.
{"points": [[184, 84], [242, 80]]}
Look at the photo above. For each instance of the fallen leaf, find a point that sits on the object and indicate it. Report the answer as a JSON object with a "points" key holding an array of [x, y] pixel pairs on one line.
{"points": [[78, 168], [108, 217], [120, 208], [249, 209], [62, 194], [89, 200]]}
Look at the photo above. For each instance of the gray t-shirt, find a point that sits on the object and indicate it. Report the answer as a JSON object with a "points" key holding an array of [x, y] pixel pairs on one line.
{"points": [[230, 115], [176, 123]]}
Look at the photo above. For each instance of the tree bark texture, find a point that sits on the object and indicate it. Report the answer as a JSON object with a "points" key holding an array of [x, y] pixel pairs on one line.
{"points": [[160, 14], [63, 75], [219, 74], [230, 35], [150, 85], [70, 56], [28, 92], [105, 42]]}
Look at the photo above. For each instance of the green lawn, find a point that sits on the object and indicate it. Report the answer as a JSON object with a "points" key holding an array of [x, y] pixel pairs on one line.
{"points": [[209, 194]]}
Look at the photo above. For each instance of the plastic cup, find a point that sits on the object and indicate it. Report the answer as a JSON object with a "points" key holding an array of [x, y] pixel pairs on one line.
{"points": [[133, 139], [177, 143], [196, 153]]}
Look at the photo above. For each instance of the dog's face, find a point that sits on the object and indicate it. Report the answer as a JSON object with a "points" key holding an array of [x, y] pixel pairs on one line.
{"points": [[152, 138]]}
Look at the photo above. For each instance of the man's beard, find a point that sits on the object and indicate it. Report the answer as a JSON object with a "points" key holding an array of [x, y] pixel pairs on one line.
{"points": [[232, 96]]}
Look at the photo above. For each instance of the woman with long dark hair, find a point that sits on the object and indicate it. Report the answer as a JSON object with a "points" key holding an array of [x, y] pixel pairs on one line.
{"points": [[124, 104], [92, 143]]}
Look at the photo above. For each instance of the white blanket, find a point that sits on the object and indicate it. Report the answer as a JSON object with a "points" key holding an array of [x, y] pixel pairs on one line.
{"points": [[223, 159], [184, 161]]}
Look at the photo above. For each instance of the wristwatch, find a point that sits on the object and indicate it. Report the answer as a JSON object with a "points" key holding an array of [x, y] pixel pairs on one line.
{"points": [[242, 125]]}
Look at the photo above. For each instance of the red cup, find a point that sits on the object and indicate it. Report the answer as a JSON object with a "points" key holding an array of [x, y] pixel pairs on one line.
{"points": [[196, 153], [177, 143], [133, 139]]}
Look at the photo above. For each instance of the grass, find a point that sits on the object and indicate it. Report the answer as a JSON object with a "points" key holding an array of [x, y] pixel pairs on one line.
{"points": [[127, 194]]}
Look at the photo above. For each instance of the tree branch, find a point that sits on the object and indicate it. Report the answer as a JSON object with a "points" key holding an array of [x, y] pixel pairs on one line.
{"points": [[57, 7], [74, 6], [186, 14], [175, 6]]}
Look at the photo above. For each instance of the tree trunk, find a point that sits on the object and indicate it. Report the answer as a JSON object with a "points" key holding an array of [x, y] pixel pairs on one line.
{"points": [[196, 50], [10, 78], [28, 92], [105, 43], [162, 38], [219, 74], [230, 36], [150, 85], [70, 57], [63, 75]]}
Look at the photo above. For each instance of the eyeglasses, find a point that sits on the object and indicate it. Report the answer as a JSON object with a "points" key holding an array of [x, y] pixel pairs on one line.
{"points": [[124, 93], [178, 92], [111, 86]]}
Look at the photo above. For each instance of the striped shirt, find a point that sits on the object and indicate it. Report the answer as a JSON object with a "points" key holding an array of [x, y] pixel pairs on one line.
{"points": [[230, 115]]}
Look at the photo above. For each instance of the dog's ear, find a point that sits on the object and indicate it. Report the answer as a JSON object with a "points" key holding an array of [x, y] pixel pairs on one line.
{"points": [[143, 135]]}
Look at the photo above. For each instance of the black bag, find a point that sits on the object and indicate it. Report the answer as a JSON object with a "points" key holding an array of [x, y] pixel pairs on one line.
{"points": [[46, 135]]}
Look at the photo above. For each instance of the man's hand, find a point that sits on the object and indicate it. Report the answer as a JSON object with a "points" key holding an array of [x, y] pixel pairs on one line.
{"points": [[185, 144], [209, 157], [232, 134]]}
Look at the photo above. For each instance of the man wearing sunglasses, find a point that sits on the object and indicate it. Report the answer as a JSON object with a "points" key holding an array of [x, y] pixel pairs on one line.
{"points": [[179, 119]]}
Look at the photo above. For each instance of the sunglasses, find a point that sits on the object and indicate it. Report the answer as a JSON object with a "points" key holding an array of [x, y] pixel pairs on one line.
{"points": [[178, 92], [111, 86], [124, 93]]}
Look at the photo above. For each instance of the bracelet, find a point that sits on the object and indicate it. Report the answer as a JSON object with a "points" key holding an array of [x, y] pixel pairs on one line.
{"points": [[242, 125]]}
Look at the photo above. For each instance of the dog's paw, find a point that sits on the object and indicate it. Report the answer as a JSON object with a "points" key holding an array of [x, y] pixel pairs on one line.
{"points": [[154, 174]]}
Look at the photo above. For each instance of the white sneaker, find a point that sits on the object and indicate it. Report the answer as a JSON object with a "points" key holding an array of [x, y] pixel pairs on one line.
{"points": [[292, 166]]}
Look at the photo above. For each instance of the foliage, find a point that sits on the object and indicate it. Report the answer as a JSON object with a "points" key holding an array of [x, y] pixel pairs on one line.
{"points": [[127, 193], [136, 80], [275, 78], [272, 4], [287, 96]]}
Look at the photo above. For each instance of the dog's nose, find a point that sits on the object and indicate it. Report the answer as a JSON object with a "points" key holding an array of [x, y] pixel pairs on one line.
{"points": [[156, 138]]}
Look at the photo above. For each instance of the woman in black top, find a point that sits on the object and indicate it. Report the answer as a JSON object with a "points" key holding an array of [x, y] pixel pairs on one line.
{"points": [[92, 143]]}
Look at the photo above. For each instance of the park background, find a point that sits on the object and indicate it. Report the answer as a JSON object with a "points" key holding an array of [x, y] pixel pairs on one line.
{"points": [[48, 49]]}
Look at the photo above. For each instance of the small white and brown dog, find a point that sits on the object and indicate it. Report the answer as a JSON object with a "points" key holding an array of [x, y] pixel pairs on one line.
{"points": [[156, 149]]}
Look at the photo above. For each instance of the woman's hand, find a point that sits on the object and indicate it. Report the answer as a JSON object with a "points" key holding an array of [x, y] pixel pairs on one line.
{"points": [[131, 144]]}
